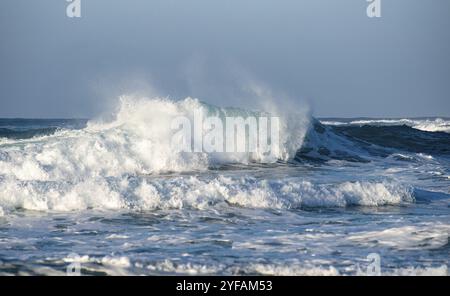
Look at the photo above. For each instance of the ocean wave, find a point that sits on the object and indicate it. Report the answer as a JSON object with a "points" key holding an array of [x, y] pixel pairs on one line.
{"points": [[27, 133], [145, 193], [399, 137], [322, 143], [137, 141], [428, 125], [118, 164]]}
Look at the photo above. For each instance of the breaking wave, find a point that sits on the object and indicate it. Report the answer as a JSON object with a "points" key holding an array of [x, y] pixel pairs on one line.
{"points": [[119, 164], [197, 192], [137, 141], [77, 165]]}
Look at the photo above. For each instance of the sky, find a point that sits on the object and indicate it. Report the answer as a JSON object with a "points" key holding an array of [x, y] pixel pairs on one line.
{"points": [[326, 54]]}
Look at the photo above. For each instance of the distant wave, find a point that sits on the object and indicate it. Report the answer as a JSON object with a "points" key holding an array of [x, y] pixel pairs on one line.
{"points": [[429, 125], [27, 133], [22, 128], [400, 137]]}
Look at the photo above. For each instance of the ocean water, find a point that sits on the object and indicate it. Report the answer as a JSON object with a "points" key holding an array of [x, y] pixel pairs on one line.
{"points": [[113, 197]]}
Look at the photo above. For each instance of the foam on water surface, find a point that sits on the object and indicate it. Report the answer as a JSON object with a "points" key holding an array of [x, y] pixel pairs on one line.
{"points": [[113, 196]]}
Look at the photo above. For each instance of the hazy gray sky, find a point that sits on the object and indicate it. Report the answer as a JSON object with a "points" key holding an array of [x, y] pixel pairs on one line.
{"points": [[326, 52]]}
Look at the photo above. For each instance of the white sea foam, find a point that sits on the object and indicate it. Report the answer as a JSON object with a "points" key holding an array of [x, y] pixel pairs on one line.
{"points": [[419, 271], [305, 269], [119, 266], [196, 192], [293, 270], [167, 266], [437, 125], [122, 262], [116, 236], [426, 236], [297, 269]]}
